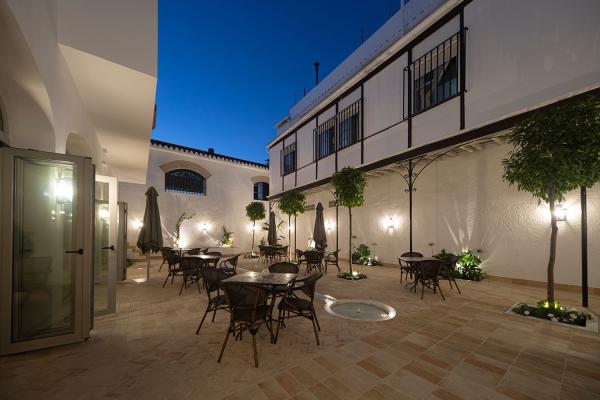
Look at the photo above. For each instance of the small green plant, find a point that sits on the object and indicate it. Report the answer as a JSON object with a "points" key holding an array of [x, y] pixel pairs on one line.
{"points": [[352, 276], [467, 267], [177, 236], [292, 203], [227, 240], [362, 255], [556, 313]]}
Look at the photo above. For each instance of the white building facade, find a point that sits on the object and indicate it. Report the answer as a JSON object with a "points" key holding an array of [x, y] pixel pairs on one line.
{"points": [[212, 187], [446, 77]]}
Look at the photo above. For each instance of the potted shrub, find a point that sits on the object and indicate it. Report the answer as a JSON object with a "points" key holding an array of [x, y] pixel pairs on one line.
{"points": [[555, 151], [255, 211]]}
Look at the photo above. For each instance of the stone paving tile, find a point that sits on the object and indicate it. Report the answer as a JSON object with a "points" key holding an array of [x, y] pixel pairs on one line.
{"points": [[463, 348]]}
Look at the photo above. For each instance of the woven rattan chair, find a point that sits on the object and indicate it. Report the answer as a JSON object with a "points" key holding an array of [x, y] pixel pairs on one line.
{"points": [[300, 259], [211, 278], [407, 268], [314, 260], [190, 270], [194, 252], [427, 275], [284, 267], [229, 265], [248, 310], [447, 270], [215, 253], [331, 258], [292, 305], [164, 251], [173, 264]]}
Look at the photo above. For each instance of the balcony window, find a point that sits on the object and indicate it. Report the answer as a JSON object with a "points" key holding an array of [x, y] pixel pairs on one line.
{"points": [[325, 138], [185, 181], [435, 75], [288, 159], [349, 125], [261, 191]]}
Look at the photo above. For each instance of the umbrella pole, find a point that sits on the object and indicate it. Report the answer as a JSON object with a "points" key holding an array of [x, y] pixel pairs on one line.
{"points": [[147, 267]]}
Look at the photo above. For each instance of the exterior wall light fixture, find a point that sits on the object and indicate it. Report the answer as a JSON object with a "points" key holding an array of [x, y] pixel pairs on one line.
{"points": [[390, 224], [560, 212]]}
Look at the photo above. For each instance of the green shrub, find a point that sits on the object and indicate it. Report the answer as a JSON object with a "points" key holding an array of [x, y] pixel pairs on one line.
{"points": [[557, 313], [362, 255]]}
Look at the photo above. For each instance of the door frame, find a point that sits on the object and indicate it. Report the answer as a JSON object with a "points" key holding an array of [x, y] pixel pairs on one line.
{"points": [[113, 209], [83, 201]]}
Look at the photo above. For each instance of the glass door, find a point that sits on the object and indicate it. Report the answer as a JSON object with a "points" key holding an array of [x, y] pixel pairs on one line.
{"points": [[45, 269], [105, 241]]}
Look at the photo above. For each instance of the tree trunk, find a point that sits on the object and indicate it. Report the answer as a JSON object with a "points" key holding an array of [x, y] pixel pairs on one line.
{"points": [[295, 230], [253, 228], [350, 238], [289, 234], [552, 258]]}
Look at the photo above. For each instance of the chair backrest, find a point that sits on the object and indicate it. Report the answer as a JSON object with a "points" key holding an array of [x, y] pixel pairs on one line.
{"points": [[284, 268], [429, 270], [313, 256], [333, 256], [212, 278], [309, 285], [189, 264], [195, 251], [172, 258], [411, 254], [299, 253], [243, 297], [165, 251]]}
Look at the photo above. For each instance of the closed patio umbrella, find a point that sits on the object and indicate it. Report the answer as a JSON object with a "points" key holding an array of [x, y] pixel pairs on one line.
{"points": [[272, 233], [150, 238], [319, 235]]}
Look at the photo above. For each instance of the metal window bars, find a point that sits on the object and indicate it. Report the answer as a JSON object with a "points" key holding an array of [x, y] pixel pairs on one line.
{"points": [[349, 125], [288, 159], [325, 138], [185, 182]]}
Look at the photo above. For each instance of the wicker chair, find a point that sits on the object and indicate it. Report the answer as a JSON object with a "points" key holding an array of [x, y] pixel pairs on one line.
{"points": [[215, 253], [281, 253], [300, 259], [331, 258], [262, 253], [314, 260], [194, 252], [164, 251], [229, 265], [407, 268], [190, 270], [447, 270], [284, 267], [211, 278], [248, 310], [173, 263], [291, 305], [427, 275]]}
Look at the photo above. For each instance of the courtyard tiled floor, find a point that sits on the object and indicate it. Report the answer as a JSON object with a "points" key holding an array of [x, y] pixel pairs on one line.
{"points": [[463, 348]]}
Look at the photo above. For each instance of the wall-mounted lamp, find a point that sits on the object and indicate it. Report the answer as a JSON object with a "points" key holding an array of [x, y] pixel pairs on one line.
{"points": [[204, 227], [291, 227], [560, 212], [328, 226], [390, 223]]}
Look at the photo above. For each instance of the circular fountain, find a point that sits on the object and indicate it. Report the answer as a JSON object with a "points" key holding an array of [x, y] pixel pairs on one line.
{"points": [[360, 310]]}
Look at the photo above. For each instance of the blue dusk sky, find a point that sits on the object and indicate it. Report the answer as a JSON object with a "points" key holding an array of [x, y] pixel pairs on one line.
{"points": [[228, 70]]}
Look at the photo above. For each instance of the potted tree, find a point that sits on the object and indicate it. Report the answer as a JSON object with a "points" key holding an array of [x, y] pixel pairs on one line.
{"points": [[556, 151], [255, 211], [349, 191], [292, 203]]}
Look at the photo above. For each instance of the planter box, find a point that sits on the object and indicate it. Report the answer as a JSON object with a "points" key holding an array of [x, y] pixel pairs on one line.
{"points": [[590, 326]]}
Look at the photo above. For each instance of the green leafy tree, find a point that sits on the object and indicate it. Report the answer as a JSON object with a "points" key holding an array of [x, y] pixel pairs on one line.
{"points": [[255, 211], [292, 203], [349, 191], [556, 151]]}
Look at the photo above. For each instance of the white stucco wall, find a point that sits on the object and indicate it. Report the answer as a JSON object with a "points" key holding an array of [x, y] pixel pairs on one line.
{"points": [[229, 191], [461, 203]]}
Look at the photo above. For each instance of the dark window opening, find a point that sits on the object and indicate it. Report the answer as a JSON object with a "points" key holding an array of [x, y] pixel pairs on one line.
{"points": [[288, 159], [186, 182], [261, 191], [435, 75], [349, 127], [325, 134]]}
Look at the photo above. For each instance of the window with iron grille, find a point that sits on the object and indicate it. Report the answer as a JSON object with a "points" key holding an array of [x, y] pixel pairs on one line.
{"points": [[435, 75], [325, 138], [186, 182], [288, 159], [349, 125], [261, 191]]}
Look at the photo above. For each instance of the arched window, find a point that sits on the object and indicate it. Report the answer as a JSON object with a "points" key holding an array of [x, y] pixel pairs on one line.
{"points": [[185, 181], [261, 191]]}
